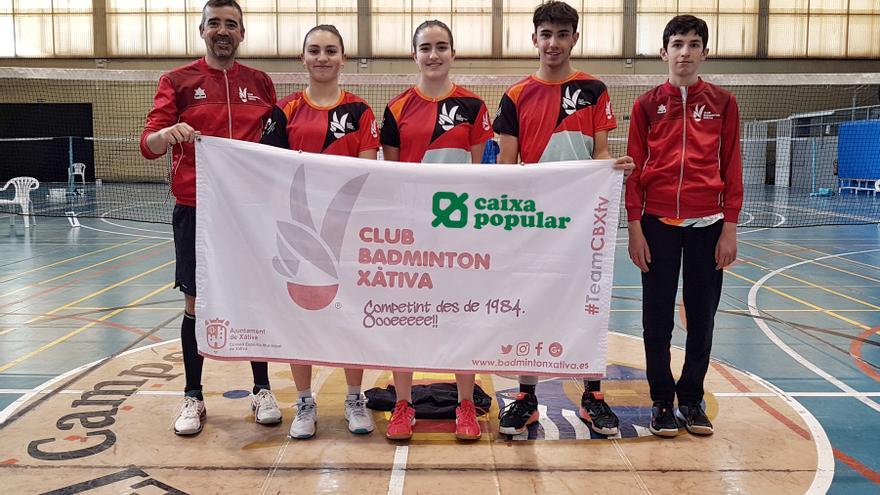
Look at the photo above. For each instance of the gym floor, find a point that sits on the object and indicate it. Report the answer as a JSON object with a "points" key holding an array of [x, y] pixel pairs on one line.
{"points": [[793, 389]]}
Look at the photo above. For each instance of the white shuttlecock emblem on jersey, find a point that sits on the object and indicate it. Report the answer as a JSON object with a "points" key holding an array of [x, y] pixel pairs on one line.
{"points": [[569, 101], [447, 118], [337, 125]]}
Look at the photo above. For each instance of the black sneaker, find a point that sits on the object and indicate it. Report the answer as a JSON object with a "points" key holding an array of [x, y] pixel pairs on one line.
{"points": [[517, 415], [692, 417], [663, 422], [598, 413]]}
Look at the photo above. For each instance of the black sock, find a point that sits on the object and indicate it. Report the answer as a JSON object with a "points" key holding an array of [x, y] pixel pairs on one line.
{"points": [[529, 389], [592, 385], [192, 360], [260, 369]]}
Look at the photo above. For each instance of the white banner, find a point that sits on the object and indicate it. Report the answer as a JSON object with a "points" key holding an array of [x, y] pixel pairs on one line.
{"points": [[436, 267]]}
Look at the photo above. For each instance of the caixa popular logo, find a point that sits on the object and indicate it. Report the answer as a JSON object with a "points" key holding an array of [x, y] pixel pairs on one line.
{"points": [[451, 211], [307, 256], [216, 331]]}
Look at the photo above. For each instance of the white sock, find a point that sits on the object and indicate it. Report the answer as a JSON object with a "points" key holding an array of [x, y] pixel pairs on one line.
{"points": [[305, 394], [354, 390]]}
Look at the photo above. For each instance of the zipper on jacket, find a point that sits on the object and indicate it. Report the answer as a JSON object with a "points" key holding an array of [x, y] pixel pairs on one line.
{"points": [[228, 103], [684, 98]]}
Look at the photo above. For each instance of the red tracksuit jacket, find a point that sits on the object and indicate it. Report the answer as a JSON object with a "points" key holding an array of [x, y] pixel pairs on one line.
{"points": [[685, 144], [233, 104]]}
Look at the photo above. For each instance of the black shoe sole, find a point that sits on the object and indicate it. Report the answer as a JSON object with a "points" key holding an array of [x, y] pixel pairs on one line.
{"points": [[585, 416], [699, 430], [702, 431], [664, 432], [511, 430]]}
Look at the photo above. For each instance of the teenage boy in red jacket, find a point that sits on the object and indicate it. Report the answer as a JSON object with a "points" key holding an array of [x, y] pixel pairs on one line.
{"points": [[683, 201]]}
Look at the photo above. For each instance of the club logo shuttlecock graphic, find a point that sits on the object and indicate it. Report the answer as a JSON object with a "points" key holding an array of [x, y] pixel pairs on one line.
{"points": [[308, 258]]}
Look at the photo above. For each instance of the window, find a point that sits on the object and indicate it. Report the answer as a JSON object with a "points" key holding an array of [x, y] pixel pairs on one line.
{"points": [[272, 27], [733, 25], [393, 22], [824, 28], [46, 28]]}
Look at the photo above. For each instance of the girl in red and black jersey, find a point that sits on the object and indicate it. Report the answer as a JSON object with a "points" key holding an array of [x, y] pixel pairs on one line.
{"points": [[435, 121], [324, 118]]}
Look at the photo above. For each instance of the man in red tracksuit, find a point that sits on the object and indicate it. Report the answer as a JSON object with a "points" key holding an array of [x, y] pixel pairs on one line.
{"points": [[214, 96], [683, 201]]}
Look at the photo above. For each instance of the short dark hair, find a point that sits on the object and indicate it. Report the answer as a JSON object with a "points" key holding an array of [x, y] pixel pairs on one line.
{"points": [[555, 12], [222, 3], [684, 24], [432, 23], [330, 28]]}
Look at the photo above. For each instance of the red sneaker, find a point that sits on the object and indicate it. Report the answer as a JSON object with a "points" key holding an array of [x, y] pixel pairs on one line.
{"points": [[466, 426], [403, 418]]}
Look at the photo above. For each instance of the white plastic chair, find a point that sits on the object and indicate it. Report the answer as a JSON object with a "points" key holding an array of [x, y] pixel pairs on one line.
{"points": [[23, 187], [876, 187], [77, 169]]}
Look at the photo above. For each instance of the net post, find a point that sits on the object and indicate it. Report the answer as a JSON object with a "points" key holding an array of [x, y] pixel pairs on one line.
{"points": [[70, 183]]}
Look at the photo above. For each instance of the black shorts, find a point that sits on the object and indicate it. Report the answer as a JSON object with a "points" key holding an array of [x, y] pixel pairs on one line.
{"points": [[183, 220]]}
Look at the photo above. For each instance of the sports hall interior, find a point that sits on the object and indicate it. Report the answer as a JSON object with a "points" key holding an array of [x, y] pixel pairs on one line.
{"points": [[794, 384]]}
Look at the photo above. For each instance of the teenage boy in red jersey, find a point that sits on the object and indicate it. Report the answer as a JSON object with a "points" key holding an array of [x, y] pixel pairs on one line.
{"points": [[214, 96], [683, 201], [556, 114]]}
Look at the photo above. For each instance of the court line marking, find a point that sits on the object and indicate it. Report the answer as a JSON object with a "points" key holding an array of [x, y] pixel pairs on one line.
{"points": [[781, 221], [163, 308], [318, 380], [581, 430], [81, 329], [629, 466], [66, 260], [136, 228], [822, 474], [801, 310], [74, 272], [855, 350], [275, 463], [450, 470], [125, 233], [795, 299], [101, 291], [749, 286], [848, 260], [41, 293], [823, 289], [824, 452], [398, 470], [756, 317], [828, 395], [44, 387], [805, 248]]}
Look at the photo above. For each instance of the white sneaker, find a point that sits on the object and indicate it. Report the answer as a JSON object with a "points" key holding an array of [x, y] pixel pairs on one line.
{"points": [[265, 407], [306, 417], [360, 421], [191, 416]]}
